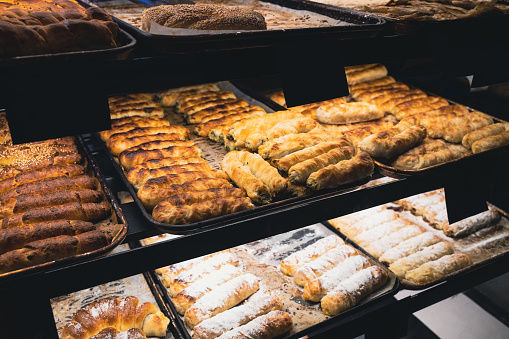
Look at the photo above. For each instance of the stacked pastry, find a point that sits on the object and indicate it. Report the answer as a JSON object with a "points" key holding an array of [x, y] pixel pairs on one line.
{"points": [[209, 108], [117, 318], [5, 133], [432, 208], [41, 27], [334, 274], [48, 204], [412, 253], [207, 290], [165, 167]]}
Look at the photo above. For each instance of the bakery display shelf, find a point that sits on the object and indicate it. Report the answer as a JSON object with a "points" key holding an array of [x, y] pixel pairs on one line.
{"points": [[125, 41], [360, 25], [262, 259], [118, 232]]}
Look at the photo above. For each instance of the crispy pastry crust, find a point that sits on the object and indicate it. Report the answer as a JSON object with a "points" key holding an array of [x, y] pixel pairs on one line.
{"points": [[115, 138], [216, 111], [491, 142], [133, 120], [484, 132], [280, 147], [299, 173], [121, 145], [392, 142], [165, 162], [222, 103], [430, 253], [187, 101], [205, 128], [126, 127], [378, 247], [130, 159], [186, 214], [409, 247], [419, 161], [400, 109], [471, 224], [151, 198], [270, 325], [373, 83], [348, 113], [437, 269], [171, 97], [374, 72], [344, 172]]}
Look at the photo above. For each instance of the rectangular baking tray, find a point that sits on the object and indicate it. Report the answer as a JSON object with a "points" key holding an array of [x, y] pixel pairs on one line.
{"points": [[117, 217], [211, 152], [265, 256], [485, 247], [125, 41], [259, 91], [364, 25], [141, 286]]}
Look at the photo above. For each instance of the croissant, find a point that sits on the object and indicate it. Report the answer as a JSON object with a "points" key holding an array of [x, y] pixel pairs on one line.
{"points": [[121, 314]]}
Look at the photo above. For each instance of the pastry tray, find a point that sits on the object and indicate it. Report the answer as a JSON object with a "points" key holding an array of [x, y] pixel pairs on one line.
{"points": [[125, 42], [214, 152], [117, 217], [262, 258], [362, 25], [260, 91], [484, 247]]}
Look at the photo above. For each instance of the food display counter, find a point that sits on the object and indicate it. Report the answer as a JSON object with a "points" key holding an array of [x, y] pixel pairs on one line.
{"points": [[479, 177]]}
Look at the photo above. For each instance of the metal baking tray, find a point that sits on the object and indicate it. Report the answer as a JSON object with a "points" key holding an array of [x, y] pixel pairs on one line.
{"points": [[262, 258], [125, 42], [260, 92], [484, 247], [117, 217], [364, 25], [141, 286], [213, 153]]}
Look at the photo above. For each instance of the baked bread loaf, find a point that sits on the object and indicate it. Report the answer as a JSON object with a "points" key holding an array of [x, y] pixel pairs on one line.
{"points": [[121, 314], [204, 17]]}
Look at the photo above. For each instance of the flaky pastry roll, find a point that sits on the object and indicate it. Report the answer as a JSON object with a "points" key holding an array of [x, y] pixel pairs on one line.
{"points": [[130, 159], [368, 222], [121, 145], [491, 142], [377, 248], [374, 72], [268, 326], [280, 147], [408, 247], [348, 113], [437, 269], [471, 224], [430, 253]]}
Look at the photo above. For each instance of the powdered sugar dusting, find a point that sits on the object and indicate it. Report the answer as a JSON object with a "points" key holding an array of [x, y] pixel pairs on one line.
{"points": [[312, 252], [331, 279], [325, 262], [381, 231], [206, 265]]}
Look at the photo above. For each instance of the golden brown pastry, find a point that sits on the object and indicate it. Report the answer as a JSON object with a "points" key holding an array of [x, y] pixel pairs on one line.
{"points": [[214, 105], [378, 247], [368, 93], [392, 142], [268, 326], [353, 290], [165, 162], [71, 211], [278, 97], [150, 198], [69, 170], [348, 113], [233, 111], [171, 97], [291, 126], [357, 134], [138, 177], [219, 110], [400, 110], [373, 83], [374, 72], [189, 295], [124, 144], [130, 159], [419, 161], [286, 162], [24, 202], [438, 269], [137, 112], [50, 249], [134, 120], [112, 333], [483, 132], [205, 128], [491, 142], [105, 135], [344, 172], [187, 214], [280, 147], [380, 231], [132, 98], [412, 95], [159, 144], [300, 172], [308, 110], [187, 101], [408, 247], [242, 176], [121, 314], [367, 223], [222, 298], [184, 132], [204, 17], [294, 261], [318, 288], [430, 253], [50, 185]]}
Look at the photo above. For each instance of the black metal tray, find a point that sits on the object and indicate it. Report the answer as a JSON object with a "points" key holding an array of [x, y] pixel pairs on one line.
{"points": [[364, 26], [125, 42], [299, 238], [118, 217]]}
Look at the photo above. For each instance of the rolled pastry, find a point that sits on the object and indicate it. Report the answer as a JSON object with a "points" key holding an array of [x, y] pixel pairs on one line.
{"points": [[437, 269], [373, 83], [374, 72], [300, 172], [280, 147], [471, 224], [392, 142], [316, 289], [150, 198], [484, 132], [121, 145], [491, 142], [165, 162], [130, 159], [346, 221], [430, 253], [366, 94], [403, 109], [252, 111], [115, 138], [285, 163], [294, 261], [129, 126], [368, 222], [189, 198], [157, 144], [211, 127], [190, 100], [348, 113], [420, 161], [325, 262], [268, 326], [256, 306], [130, 120], [205, 115], [170, 97], [380, 231], [189, 295], [186, 214], [204, 267], [342, 173], [378, 247], [221, 299], [409, 247], [213, 106], [353, 290]]}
